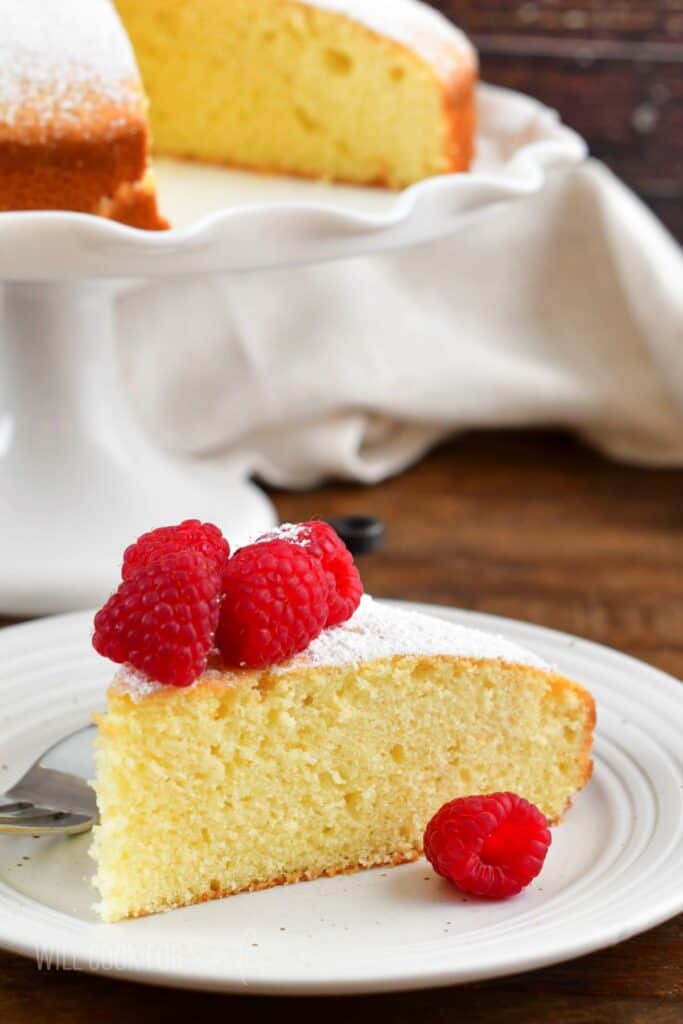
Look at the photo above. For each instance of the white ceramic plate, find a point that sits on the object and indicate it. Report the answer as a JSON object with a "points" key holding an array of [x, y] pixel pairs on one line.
{"points": [[615, 866]]}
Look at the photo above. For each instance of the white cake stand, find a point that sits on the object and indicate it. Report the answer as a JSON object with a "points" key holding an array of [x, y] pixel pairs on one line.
{"points": [[78, 477]]}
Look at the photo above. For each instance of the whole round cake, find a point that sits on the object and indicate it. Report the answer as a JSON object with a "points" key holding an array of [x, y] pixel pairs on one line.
{"points": [[377, 93]]}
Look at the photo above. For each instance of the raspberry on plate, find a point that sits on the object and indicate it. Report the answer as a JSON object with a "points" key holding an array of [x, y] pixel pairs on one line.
{"points": [[322, 541], [190, 535], [492, 846], [275, 601], [163, 619]]}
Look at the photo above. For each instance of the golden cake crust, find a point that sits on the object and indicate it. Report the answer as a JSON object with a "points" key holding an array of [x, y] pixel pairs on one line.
{"points": [[97, 164], [460, 108], [73, 134], [405, 857]]}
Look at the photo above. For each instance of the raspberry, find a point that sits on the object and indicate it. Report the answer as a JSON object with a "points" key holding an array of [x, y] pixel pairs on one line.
{"points": [[163, 620], [491, 846], [322, 541], [274, 603], [191, 535]]}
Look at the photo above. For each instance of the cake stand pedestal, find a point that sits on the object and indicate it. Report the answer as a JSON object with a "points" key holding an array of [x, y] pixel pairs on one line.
{"points": [[79, 479]]}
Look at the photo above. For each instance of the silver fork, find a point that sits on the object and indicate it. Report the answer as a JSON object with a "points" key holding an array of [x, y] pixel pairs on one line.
{"points": [[45, 802]]}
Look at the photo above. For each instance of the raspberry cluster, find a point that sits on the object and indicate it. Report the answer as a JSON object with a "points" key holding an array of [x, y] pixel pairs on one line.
{"points": [[183, 595]]}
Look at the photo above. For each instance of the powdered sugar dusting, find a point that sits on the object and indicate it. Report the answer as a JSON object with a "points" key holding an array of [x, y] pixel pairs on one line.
{"points": [[137, 684], [293, 533], [55, 55], [379, 631], [376, 631]]}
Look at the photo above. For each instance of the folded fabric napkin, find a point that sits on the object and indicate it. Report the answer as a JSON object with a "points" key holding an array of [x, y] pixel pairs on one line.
{"points": [[565, 308]]}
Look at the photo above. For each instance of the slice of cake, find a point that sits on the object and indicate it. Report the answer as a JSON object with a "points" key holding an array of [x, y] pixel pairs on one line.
{"points": [[361, 91], [73, 122], [329, 761]]}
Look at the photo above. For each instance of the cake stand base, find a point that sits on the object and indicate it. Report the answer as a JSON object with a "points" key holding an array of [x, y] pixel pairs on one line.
{"points": [[79, 479]]}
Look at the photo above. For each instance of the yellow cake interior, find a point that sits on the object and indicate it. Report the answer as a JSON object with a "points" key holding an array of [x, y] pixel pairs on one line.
{"points": [[284, 86], [251, 778]]}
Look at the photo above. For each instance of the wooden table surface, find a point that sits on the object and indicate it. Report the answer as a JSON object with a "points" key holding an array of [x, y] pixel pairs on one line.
{"points": [[532, 526], [613, 70]]}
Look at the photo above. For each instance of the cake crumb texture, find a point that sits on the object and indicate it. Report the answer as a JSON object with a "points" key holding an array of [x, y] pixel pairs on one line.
{"points": [[310, 89], [255, 778]]}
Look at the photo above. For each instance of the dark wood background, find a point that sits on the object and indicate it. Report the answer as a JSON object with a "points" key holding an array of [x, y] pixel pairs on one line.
{"points": [[527, 525], [613, 69]]}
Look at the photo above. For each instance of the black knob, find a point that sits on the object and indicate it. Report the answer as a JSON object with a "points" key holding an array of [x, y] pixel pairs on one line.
{"points": [[362, 534]]}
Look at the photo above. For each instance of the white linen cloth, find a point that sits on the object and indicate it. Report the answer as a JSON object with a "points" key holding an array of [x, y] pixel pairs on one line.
{"points": [[565, 308]]}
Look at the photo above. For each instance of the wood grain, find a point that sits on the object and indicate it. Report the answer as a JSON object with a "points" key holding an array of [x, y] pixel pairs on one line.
{"points": [[613, 70], [528, 525]]}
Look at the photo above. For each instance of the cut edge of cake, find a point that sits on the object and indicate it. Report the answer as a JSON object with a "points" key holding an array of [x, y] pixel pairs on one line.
{"points": [[379, 641], [418, 37]]}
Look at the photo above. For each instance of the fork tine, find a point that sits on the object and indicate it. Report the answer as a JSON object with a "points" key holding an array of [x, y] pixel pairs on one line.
{"points": [[18, 805], [56, 789], [51, 824], [28, 811], [47, 802]]}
